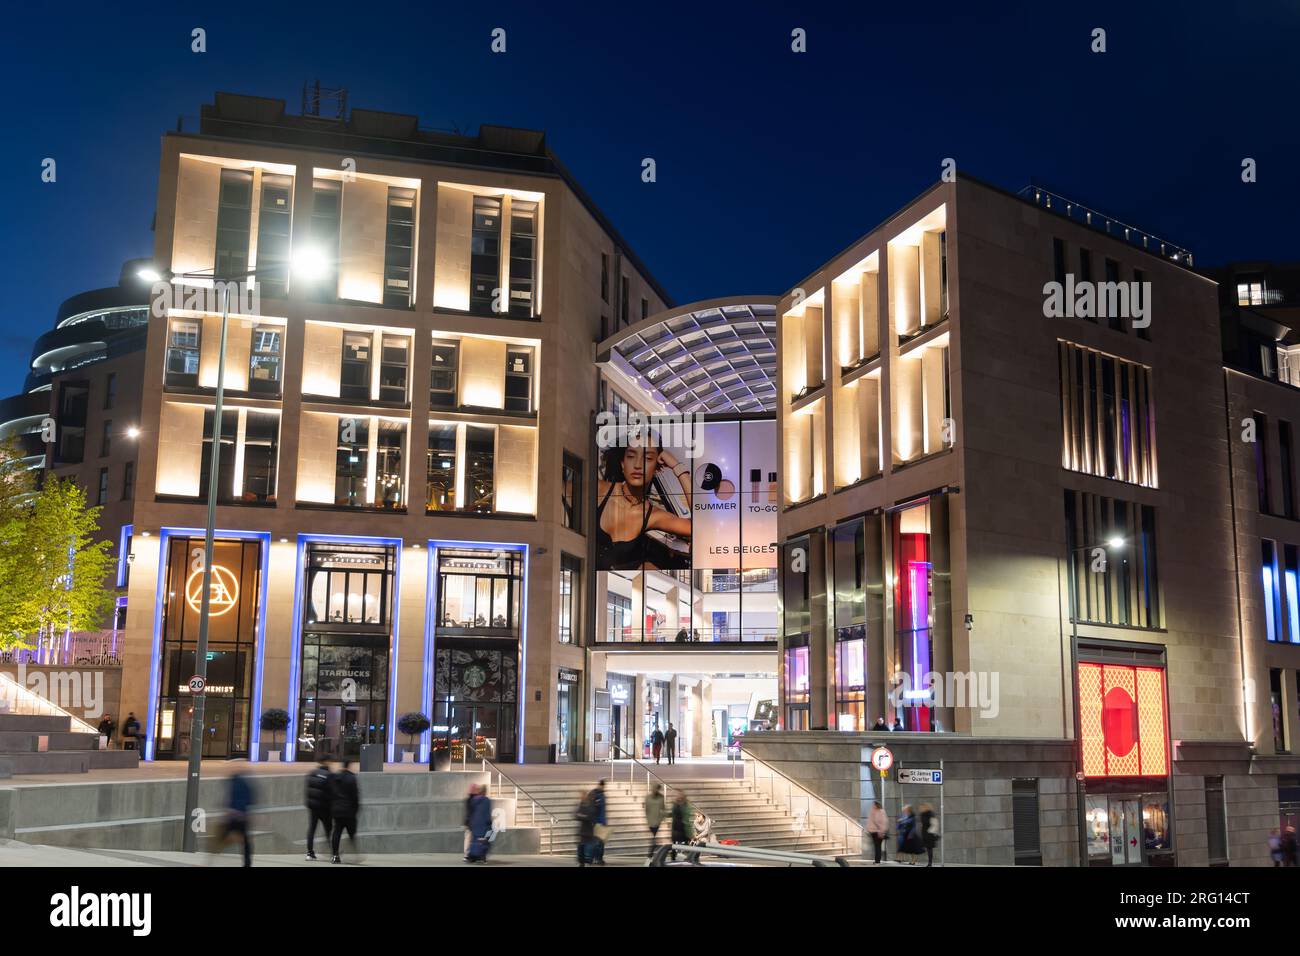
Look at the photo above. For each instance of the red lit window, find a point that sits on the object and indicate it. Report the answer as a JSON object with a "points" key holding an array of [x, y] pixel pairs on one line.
{"points": [[1122, 721]]}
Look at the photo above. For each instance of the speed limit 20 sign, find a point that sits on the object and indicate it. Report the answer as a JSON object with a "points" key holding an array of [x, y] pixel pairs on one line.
{"points": [[197, 684]]}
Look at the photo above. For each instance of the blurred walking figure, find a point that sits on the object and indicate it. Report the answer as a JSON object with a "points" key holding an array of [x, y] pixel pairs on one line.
{"points": [[878, 827], [683, 821], [239, 801], [929, 827], [479, 821], [654, 814], [345, 804], [318, 802], [591, 816], [1289, 846], [670, 744], [657, 743], [909, 838], [1275, 847]]}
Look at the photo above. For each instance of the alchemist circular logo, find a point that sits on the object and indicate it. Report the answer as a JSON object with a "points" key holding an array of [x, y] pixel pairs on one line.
{"points": [[224, 593]]}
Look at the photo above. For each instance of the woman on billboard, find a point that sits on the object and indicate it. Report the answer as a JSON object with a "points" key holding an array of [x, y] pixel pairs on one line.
{"points": [[630, 525]]}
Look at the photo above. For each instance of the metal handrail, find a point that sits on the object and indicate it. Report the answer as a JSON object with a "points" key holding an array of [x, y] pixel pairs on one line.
{"points": [[744, 853], [533, 802], [649, 773], [850, 830]]}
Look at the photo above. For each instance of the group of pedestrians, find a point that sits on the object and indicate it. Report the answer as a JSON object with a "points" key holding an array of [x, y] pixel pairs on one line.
{"points": [[333, 801], [917, 832], [664, 743]]}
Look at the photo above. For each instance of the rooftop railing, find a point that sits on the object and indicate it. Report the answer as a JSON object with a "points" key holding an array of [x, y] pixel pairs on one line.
{"points": [[1041, 196]]}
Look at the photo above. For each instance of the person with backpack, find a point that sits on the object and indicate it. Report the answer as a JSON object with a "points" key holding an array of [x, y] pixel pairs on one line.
{"points": [[929, 832], [683, 822], [345, 804], [594, 827], [317, 795], [480, 823], [654, 814]]}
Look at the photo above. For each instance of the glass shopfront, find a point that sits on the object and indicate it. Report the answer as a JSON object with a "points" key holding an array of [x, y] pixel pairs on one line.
{"points": [[566, 713], [655, 714], [476, 662], [232, 640], [346, 645], [622, 697]]}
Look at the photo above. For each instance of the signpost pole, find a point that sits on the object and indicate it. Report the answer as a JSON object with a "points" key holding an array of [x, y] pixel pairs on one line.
{"points": [[943, 824]]}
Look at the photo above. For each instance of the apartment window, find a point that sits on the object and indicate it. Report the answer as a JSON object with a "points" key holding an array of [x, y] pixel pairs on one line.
{"points": [[106, 440], [273, 229], [519, 379], [248, 462], [350, 461], [103, 487], [523, 257], [183, 338], [1107, 418], [394, 361], [399, 246], [1111, 545], [645, 309], [1285, 459], [390, 470], [797, 693], [1275, 706], [480, 462], [1272, 583], [623, 314], [441, 468], [354, 377], [1085, 265], [326, 214], [128, 481], [442, 382], [264, 360], [1250, 290], [1140, 278], [1059, 267], [1112, 275], [110, 390], [850, 681], [74, 399], [1261, 461], [234, 215], [1216, 821], [571, 492], [485, 256], [570, 599], [604, 277]]}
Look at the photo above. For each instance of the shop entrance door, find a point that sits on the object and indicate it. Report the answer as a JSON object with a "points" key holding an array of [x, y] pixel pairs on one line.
{"points": [[1126, 839], [474, 727]]}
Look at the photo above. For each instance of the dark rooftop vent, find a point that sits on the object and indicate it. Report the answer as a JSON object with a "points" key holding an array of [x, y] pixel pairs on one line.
{"points": [[506, 139], [383, 125], [248, 109]]}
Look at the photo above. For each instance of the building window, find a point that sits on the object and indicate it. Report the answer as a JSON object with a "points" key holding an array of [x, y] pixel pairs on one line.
{"points": [[399, 246], [350, 462], [264, 361], [1112, 275], [1272, 582], [390, 470], [624, 316], [1111, 546], [519, 379], [394, 361], [106, 440], [1140, 278], [1216, 821], [354, 377], [850, 682], [103, 487], [523, 257], [570, 599], [604, 277], [273, 230], [1107, 419], [183, 339], [110, 390], [441, 468], [571, 498], [645, 309], [1261, 462], [1059, 267], [1123, 721], [479, 592], [326, 214], [74, 400], [128, 481], [485, 256], [1284, 453], [1279, 715], [442, 381], [480, 455], [1250, 290], [848, 565], [1085, 265], [249, 455], [797, 691], [234, 214]]}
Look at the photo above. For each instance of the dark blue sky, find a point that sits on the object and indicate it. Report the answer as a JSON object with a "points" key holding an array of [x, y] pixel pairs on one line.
{"points": [[768, 162]]}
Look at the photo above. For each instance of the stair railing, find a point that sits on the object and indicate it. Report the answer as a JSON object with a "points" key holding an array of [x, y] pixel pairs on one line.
{"points": [[762, 778], [496, 775]]}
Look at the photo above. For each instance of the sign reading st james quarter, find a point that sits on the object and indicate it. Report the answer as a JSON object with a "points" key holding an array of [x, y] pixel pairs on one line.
{"points": [[224, 595]]}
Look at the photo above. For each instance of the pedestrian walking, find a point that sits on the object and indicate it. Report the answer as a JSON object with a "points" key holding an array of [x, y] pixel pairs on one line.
{"points": [[317, 796], [683, 822], [657, 743], [345, 805], [1289, 846], [1275, 846], [670, 744], [909, 838], [480, 824], [106, 728], [239, 801], [654, 814], [929, 827], [594, 827], [878, 827]]}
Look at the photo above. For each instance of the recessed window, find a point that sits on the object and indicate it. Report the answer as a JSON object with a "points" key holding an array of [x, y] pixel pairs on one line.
{"points": [[264, 360], [326, 212], [392, 369], [106, 440], [571, 498], [103, 487], [519, 379], [444, 374], [1111, 545], [485, 256], [399, 246], [128, 481], [234, 215], [110, 390], [182, 366], [354, 377], [441, 468], [274, 222], [1107, 415], [523, 258]]}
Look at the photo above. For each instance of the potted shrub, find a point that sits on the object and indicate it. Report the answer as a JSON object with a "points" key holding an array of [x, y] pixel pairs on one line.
{"points": [[412, 724], [276, 721]]}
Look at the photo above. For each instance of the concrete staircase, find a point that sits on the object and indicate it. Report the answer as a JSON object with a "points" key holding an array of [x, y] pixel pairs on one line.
{"points": [[737, 812], [32, 744], [400, 813]]}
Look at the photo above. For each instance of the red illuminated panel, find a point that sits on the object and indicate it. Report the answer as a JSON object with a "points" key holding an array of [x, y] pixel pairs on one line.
{"points": [[1094, 744], [1119, 721], [1152, 735]]}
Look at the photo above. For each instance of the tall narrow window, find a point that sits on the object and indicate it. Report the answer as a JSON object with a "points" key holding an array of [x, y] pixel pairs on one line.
{"points": [[226, 471], [261, 447], [604, 277], [326, 214], [645, 309], [1291, 591], [1059, 268], [571, 498], [1140, 286], [570, 599], [1261, 462], [103, 487], [519, 379], [106, 440], [623, 315], [264, 360], [480, 465], [1271, 580], [128, 481], [350, 462], [392, 370], [1279, 715], [390, 470], [1111, 548], [183, 338], [485, 256], [110, 390], [523, 257], [1216, 821], [234, 216], [273, 227], [399, 246], [1284, 454], [354, 377], [441, 468], [1113, 317], [442, 382]]}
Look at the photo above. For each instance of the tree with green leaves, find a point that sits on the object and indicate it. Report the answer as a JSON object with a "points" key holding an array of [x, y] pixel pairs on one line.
{"points": [[54, 572]]}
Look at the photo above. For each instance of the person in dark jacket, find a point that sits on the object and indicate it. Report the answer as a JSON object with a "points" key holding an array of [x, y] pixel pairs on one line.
{"points": [[880, 724], [239, 801], [657, 743], [131, 732], [479, 821], [106, 728], [909, 837], [683, 822], [345, 804], [670, 744], [317, 793], [929, 827]]}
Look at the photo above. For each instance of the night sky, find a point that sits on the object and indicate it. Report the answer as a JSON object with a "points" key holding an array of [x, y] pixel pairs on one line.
{"points": [[769, 162]]}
